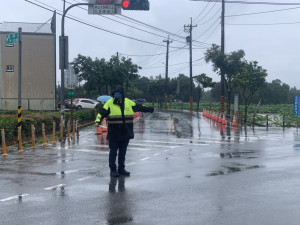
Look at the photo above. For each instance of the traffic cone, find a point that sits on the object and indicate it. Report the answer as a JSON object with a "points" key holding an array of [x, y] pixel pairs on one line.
{"points": [[220, 118], [224, 120], [234, 121], [104, 126], [98, 131], [104, 136], [203, 113], [99, 139]]}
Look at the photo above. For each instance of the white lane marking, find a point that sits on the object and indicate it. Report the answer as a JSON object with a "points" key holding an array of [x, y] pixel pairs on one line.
{"points": [[54, 187], [130, 164], [91, 151], [176, 143], [166, 150], [85, 178], [84, 150], [158, 146], [13, 197], [157, 154], [145, 158], [129, 147]]}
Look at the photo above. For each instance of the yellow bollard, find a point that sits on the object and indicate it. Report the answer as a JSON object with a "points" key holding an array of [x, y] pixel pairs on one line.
{"points": [[171, 129], [53, 133], [77, 129], [175, 127], [61, 131], [73, 134], [20, 139], [68, 130], [33, 135], [44, 134], [3, 142]]}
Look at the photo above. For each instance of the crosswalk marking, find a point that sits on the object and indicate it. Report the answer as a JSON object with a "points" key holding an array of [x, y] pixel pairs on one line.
{"points": [[13, 197], [85, 178], [54, 187]]}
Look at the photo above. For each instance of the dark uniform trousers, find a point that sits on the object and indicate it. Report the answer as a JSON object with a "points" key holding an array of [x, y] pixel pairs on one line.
{"points": [[114, 146]]}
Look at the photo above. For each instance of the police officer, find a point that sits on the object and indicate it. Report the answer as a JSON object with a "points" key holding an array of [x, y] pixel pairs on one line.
{"points": [[119, 113]]}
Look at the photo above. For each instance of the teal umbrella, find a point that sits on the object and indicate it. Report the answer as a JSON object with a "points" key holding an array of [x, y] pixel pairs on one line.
{"points": [[103, 98]]}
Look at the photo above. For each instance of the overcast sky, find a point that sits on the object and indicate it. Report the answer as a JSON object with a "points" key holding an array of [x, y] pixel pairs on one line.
{"points": [[269, 34]]}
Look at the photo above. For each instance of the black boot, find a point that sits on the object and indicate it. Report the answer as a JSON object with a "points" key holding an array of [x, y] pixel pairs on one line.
{"points": [[114, 173], [123, 172]]}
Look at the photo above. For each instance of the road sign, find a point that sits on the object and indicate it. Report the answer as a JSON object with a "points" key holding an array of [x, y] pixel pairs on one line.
{"points": [[104, 7], [297, 105], [71, 93], [12, 38]]}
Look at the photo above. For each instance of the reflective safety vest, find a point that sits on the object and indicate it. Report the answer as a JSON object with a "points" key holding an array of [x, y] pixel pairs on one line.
{"points": [[115, 115]]}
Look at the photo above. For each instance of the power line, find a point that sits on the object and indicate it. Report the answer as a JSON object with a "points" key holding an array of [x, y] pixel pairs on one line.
{"points": [[207, 13], [210, 18], [99, 28], [261, 24], [127, 24], [251, 3], [217, 20], [255, 13]]}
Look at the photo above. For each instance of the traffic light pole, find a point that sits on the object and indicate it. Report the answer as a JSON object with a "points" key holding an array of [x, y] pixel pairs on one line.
{"points": [[63, 67]]}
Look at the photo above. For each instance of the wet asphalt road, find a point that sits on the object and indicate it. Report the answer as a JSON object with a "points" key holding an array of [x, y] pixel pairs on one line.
{"points": [[198, 173]]}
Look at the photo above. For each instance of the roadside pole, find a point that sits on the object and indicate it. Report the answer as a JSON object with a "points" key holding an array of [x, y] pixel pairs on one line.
{"points": [[20, 82]]}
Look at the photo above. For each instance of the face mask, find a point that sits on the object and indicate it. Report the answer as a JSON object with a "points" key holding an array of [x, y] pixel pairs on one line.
{"points": [[117, 95]]}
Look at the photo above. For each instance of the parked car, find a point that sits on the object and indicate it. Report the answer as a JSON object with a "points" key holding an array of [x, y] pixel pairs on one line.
{"points": [[68, 103], [84, 103]]}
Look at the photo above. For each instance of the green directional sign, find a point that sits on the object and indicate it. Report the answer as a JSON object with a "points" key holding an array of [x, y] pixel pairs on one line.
{"points": [[12, 38], [71, 93]]}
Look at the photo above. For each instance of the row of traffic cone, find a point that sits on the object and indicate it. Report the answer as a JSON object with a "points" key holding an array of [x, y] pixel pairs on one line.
{"points": [[218, 117]]}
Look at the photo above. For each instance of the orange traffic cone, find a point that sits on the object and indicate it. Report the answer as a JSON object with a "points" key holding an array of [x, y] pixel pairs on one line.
{"points": [[99, 139], [220, 118], [104, 126], [224, 120], [98, 131], [104, 135], [234, 121]]}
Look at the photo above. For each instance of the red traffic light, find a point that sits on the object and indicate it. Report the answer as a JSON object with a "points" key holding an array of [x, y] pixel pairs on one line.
{"points": [[125, 4]]}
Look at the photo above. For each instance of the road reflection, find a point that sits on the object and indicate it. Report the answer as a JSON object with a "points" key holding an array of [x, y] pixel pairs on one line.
{"points": [[119, 205]]}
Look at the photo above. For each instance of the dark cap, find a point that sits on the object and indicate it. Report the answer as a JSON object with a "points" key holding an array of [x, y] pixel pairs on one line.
{"points": [[118, 88]]}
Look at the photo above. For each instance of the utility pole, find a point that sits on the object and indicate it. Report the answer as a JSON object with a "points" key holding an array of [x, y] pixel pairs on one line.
{"points": [[167, 70], [189, 29], [222, 100]]}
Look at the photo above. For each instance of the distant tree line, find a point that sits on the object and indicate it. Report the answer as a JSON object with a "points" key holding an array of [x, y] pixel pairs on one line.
{"points": [[242, 77]]}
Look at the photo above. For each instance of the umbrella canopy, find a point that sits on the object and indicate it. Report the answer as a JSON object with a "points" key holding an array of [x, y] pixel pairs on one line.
{"points": [[140, 100], [103, 98]]}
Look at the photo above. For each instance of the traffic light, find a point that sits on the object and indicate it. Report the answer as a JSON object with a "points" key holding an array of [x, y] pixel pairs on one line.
{"points": [[135, 4]]}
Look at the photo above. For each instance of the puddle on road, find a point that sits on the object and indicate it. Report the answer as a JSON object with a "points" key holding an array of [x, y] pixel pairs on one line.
{"points": [[226, 170], [243, 154]]}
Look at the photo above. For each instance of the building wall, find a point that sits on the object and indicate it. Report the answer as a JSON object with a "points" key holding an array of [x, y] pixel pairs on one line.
{"points": [[38, 73]]}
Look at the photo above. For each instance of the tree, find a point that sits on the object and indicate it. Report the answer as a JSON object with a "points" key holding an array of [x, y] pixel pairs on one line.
{"points": [[251, 79], [92, 72], [231, 64], [203, 82]]}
